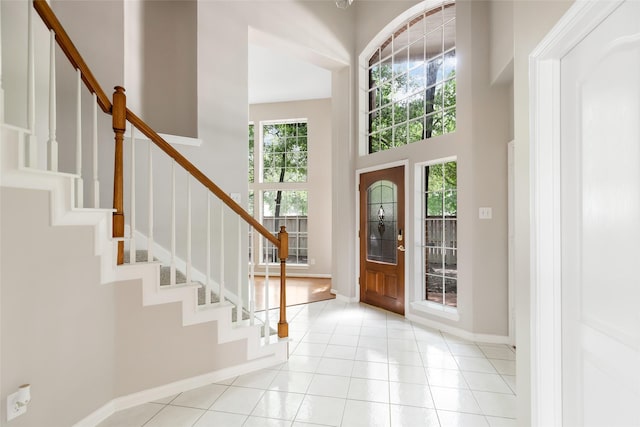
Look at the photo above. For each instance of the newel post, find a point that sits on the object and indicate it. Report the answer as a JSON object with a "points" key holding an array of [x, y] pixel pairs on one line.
{"points": [[283, 254], [119, 114]]}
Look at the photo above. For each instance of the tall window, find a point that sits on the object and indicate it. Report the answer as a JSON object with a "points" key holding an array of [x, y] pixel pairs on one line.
{"points": [[440, 233], [281, 183], [412, 84]]}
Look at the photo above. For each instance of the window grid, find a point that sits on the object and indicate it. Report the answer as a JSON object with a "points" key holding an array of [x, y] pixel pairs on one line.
{"points": [[298, 239], [288, 208], [440, 241], [284, 152], [412, 82]]}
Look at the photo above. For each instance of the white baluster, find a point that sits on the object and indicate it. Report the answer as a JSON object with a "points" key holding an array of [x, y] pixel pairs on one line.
{"points": [[132, 242], [207, 285], [52, 149], [32, 144], [79, 182], [172, 278], [94, 140], [188, 272], [267, 328], [222, 248], [240, 281], [150, 237], [252, 281]]}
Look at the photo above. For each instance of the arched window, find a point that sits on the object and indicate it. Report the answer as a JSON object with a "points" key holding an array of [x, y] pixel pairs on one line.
{"points": [[412, 83]]}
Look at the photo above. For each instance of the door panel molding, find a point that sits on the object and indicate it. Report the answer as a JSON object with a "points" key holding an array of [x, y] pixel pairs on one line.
{"points": [[546, 228]]}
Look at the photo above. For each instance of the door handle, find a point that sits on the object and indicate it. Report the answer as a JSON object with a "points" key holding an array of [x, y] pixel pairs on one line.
{"points": [[401, 248]]}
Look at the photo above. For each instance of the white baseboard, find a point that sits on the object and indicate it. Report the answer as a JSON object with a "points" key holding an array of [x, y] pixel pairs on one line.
{"points": [[460, 333], [291, 274], [149, 395], [343, 298]]}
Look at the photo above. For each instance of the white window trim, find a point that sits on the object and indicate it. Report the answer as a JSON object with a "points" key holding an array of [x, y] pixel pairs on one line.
{"points": [[436, 309], [420, 303], [363, 66]]}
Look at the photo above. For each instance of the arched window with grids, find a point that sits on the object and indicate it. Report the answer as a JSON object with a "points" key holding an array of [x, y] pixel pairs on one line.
{"points": [[412, 81]]}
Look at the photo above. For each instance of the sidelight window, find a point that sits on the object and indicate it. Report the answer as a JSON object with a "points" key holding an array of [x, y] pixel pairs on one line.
{"points": [[440, 233]]}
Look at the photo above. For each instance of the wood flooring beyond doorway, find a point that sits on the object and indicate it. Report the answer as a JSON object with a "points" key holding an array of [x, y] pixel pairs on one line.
{"points": [[300, 290]]}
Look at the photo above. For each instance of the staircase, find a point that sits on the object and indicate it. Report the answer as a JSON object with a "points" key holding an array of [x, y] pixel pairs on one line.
{"points": [[210, 329]]}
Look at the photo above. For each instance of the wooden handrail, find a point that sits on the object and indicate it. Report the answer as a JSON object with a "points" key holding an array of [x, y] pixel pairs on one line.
{"points": [[201, 177], [117, 110], [67, 46]]}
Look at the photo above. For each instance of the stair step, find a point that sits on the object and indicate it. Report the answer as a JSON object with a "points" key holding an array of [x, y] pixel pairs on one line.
{"points": [[181, 279]]}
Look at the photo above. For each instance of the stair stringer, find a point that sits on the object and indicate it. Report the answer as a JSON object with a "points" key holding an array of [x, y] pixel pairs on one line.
{"points": [[64, 213], [192, 313]]}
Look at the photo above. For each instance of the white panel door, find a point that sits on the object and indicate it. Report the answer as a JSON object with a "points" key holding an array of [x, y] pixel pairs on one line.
{"points": [[600, 163]]}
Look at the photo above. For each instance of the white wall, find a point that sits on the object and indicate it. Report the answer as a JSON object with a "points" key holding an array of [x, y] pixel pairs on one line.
{"points": [[58, 331], [319, 180], [501, 30], [160, 64], [489, 145]]}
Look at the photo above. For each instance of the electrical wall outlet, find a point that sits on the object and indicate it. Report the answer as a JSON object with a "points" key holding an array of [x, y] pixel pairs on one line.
{"points": [[14, 410]]}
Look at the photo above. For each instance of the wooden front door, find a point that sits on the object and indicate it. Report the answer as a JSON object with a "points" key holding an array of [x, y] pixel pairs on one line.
{"points": [[382, 239]]}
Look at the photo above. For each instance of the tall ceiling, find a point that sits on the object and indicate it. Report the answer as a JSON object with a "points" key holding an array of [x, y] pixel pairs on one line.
{"points": [[275, 76]]}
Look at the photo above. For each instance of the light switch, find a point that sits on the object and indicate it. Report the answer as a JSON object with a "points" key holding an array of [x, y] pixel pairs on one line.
{"points": [[485, 213]]}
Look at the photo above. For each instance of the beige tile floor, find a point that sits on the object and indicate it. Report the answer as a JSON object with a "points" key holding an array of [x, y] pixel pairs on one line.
{"points": [[353, 365]]}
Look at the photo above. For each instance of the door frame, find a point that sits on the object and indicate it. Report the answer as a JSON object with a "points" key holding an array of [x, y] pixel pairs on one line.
{"points": [[408, 227], [511, 242], [545, 224]]}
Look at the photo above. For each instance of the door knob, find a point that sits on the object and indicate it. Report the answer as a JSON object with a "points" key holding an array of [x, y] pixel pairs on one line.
{"points": [[401, 248]]}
